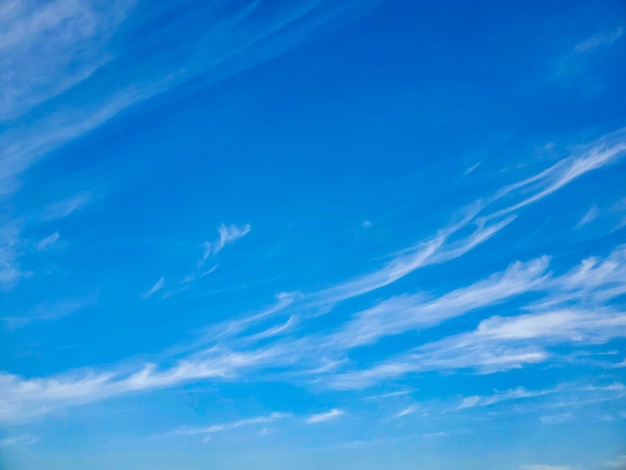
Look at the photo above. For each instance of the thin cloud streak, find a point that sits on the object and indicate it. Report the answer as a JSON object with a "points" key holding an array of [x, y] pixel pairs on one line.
{"points": [[324, 417], [187, 431], [157, 286]]}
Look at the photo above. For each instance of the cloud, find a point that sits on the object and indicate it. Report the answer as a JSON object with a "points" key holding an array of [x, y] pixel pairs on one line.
{"points": [[434, 251], [49, 310], [406, 411], [187, 431], [604, 151], [154, 289], [573, 311], [403, 313], [556, 419], [565, 309], [591, 215], [544, 467], [10, 271], [49, 49], [48, 241], [71, 66], [324, 417], [619, 463], [18, 441], [509, 395], [66, 207], [485, 217], [23, 399], [383, 396], [600, 39], [228, 234]]}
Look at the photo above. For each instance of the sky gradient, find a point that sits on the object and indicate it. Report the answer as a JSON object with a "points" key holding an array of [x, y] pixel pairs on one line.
{"points": [[312, 234]]}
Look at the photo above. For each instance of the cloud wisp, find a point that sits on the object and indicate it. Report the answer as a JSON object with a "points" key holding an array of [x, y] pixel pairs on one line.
{"points": [[571, 308], [215, 428], [227, 235], [324, 417]]}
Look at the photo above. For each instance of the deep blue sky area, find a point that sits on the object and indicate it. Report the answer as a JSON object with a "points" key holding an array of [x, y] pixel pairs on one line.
{"points": [[367, 234]]}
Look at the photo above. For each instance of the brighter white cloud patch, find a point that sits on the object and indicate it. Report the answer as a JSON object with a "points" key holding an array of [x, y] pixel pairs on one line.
{"points": [[324, 417]]}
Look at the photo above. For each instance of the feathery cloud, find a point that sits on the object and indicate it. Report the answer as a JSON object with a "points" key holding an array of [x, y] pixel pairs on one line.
{"points": [[228, 234], [156, 287], [47, 242], [600, 39], [187, 431], [324, 417]]}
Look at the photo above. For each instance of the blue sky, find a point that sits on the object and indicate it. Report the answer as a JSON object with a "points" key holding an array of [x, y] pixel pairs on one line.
{"points": [[312, 234]]}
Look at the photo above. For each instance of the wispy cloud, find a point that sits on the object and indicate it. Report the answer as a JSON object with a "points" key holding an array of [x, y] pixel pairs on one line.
{"points": [[49, 311], [590, 216], [566, 309], [544, 467], [598, 40], [227, 235], [509, 395], [10, 271], [403, 313], [324, 417], [409, 410], [573, 311], [156, 287], [66, 207], [38, 43], [25, 398], [18, 441], [187, 431], [606, 150], [619, 463], [556, 419], [108, 76], [48, 241]]}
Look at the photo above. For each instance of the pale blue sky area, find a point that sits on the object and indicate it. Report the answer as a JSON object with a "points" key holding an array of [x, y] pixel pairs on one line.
{"points": [[312, 234]]}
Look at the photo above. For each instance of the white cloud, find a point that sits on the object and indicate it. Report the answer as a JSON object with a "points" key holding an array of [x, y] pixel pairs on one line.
{"points": [[604, 151], [591, 215], [228, 234], [324, 417], [37, 42], [485, 217], [545, 467], [406, 411], [619, 463], [18, 441], [403, 313], [434, 251], [187, 431], [22, 399], [156, 287], [556, 419], [600, 39], [382, 396], [66, 207], [48, 241], [509, 395], [10, 271]]}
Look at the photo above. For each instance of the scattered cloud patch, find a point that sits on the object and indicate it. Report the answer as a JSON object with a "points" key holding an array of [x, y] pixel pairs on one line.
{"points": [[234, 425], [48, 241], [228, 234], [18, 441], [545, 467], [598, 40], [619, 463], [324, 417], [156, 287], [556, 418]]}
